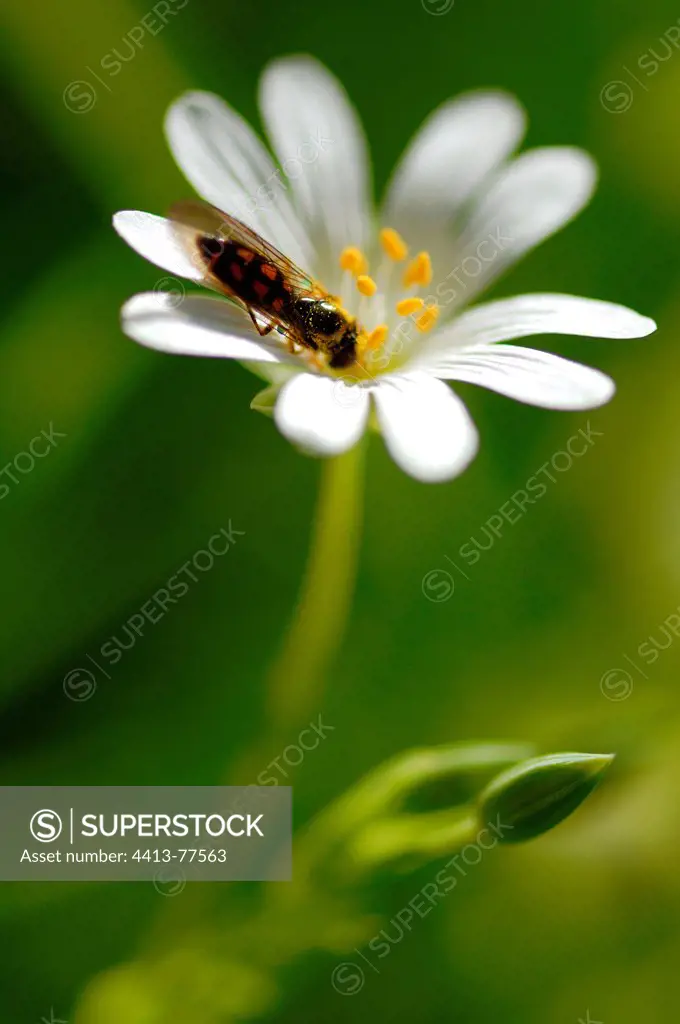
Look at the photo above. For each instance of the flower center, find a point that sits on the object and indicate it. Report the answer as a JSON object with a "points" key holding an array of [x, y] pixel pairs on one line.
{"points": [[389, 303]]}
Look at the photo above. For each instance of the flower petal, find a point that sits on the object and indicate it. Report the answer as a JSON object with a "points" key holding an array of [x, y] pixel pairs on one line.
{"points": [[154, 239], [197, 326], [525, 315], [228, 165], [320, 414], [531, 376], [528, 201], [448, 158], [427, 429], [321, 147]]}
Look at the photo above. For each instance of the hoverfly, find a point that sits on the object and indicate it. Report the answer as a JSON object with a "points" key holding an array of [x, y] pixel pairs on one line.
{"points": [[278, 295]]}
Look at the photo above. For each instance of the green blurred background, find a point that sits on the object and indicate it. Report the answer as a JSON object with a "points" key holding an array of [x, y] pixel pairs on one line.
{"points": [[162, 452]]}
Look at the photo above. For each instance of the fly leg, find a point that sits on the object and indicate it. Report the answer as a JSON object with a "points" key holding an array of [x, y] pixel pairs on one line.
{"points": [[262, 331]]}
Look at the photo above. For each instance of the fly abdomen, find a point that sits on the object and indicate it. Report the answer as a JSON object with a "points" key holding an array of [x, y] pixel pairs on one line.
{"points": [[247, 275]]}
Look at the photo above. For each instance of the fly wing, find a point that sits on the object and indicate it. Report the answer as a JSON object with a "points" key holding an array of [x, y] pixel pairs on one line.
{"points": [[194, 220]]}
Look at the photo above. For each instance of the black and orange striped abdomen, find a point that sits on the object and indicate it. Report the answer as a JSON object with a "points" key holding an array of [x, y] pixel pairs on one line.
{"points": [[266, 283], [248, 276]]}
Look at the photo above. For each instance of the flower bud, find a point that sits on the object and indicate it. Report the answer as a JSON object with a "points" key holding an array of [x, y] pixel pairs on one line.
{"points": [[532, 797]]}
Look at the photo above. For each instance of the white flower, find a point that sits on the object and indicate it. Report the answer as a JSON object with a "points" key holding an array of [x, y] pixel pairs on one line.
{"points": [[465, 206]]}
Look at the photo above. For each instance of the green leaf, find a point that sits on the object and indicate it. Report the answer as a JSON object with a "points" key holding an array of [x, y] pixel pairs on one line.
{"points": [[409, 810]]}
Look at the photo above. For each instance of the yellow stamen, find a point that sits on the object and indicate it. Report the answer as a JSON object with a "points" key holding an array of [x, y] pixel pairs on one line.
{"points": [[419, 270], [428, 318], [377, 336], [353, 259], [393, 244], [366, 285], [407, 306]]}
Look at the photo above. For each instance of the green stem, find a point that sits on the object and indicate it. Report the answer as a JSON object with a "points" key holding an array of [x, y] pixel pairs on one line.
{"points": [[294, 692], [318, 626]]}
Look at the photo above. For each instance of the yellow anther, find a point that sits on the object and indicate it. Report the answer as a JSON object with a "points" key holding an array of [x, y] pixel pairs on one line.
{"points": [[419, 270], [366, 285], [407, 306], [377, 336], [353, 259], [393, 244], [428, 318]]}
